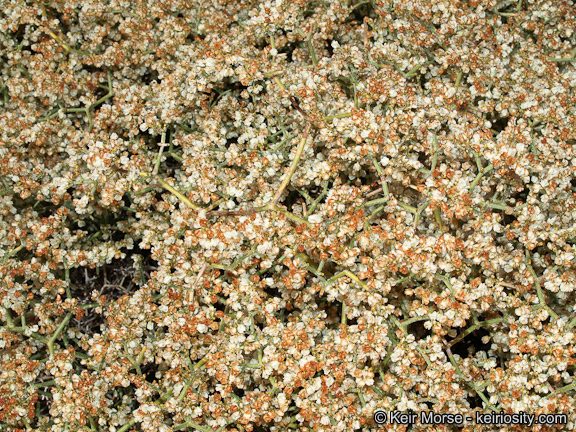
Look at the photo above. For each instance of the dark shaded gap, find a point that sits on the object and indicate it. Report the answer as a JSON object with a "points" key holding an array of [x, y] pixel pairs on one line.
{"points": [[474, 400], [271, 291], [425, 159], [230, 141], [329, 47], [219, 306], [91, 69], [333, 313], [521, 195], [316, 191], [18, 35], [99, 93], [149, 371], [472, 343], [43, 404], [418, 330], [112, 280], [500, 124], [508, 219], [149, 76], [360, 11], [230, 86], [106, 223], [292, 198], [422, 79], [288, 49], [193, 37]]}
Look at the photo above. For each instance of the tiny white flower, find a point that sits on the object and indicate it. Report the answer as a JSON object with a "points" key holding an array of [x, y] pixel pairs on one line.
{"points": [[315, 218]]}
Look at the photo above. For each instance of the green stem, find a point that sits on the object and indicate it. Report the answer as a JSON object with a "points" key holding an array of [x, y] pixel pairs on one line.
{"points": [[420, 210], [186, 128], [374, 213], [90, 305], [381, 173], [92, 424], [292, 169], [407, 207], [317, 200], [33, 335], [181, 197], [311, 49], [474, 328], [127, 426], [538, 288], [8, 317], [479, 176], [415, 69], [438, 217], [345, 273], [43, 384], [176, 156], [13, 252], [376, 201], [571, 324], [159, 157], [102, 100], [284, 141], [277, 80], [565, 388], [94, 236], [458, 79], [198, 427], [435, 155], [289, 215], [472, 385], [75, 110], [337, 116], [57, 333], [497, 206], [409, 321]]}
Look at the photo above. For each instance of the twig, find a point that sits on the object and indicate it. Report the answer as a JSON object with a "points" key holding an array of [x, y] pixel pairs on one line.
{"points": [[293, 166], [374, 192], [297, 107], [458, 79], [193, 287], [162, 145], [366, 43], [57, 333], [479, 176], [179, 195], [538, 288], [244, 212]]}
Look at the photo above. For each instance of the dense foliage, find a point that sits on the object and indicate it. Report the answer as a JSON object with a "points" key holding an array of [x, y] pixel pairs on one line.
{"points": [[285, 214]]}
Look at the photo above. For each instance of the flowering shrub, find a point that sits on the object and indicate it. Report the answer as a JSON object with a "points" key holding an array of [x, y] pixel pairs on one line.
{"points": [[285, 215]]}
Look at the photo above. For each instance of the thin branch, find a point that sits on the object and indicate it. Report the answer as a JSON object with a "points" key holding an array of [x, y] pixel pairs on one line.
{"points": [[179, 195], [244, 212], [292, 169], [193, 287], [366, 43]]}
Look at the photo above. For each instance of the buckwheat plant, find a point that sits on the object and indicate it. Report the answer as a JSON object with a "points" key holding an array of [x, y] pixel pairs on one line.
{"points": [[275, 215]]}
